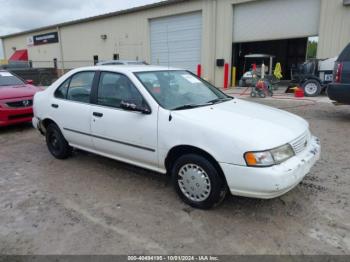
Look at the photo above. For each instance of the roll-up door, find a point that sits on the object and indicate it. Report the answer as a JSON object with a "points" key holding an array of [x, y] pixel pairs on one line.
{"points": [[176, 41], [275, 19]]}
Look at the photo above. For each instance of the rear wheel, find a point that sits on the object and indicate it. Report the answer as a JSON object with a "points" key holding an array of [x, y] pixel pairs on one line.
{"points": [[312, 88], [198, 182], [56, 143]]}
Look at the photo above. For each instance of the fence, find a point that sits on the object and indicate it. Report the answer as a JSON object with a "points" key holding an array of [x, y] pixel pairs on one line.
{"points": [[61, 66], [43, 72]]}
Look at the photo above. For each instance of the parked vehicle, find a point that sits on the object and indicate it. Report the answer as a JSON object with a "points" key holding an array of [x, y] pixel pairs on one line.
{"points": [[339, 90], [121, 62], [16, 99], [170, 121], [23, 69], [313, 76], [247, 80]]}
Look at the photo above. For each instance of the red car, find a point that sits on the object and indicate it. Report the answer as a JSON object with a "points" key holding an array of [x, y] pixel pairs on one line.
{"points": [[16, 99]]}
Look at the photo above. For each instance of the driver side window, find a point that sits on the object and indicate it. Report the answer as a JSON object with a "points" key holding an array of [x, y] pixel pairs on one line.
{"points": [[114, 88]]}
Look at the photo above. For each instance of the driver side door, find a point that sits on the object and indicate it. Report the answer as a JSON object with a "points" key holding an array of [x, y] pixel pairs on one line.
{"points": [[118, 133]]}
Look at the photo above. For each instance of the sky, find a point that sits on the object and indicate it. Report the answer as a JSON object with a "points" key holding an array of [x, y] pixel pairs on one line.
{"points": [[20, 15]]}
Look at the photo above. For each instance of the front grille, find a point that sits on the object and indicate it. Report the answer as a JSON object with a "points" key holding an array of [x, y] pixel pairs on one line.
{"points": [[15, 117], [20, 104], [300, 143]]}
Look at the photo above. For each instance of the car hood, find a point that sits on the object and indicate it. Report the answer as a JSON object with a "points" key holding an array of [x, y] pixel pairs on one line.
{"points": [[10, 92], [257, 126]]}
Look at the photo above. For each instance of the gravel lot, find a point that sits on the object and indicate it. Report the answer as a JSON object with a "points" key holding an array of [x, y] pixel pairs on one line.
{"points": [[92, 205]]}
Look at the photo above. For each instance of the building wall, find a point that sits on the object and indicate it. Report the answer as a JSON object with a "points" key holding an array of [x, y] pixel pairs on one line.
{"points": [[334, 28], [42, 55], [128, 35]]}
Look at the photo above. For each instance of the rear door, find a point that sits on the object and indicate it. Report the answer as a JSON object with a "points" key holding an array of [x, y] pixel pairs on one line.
{"points": [[71, 109]]}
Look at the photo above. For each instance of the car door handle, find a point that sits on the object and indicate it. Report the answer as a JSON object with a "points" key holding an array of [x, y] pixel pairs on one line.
{"points": [[97, 114], [54, 105]]}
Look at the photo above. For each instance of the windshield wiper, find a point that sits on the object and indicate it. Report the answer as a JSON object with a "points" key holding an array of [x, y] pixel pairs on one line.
{"points": [[190, 106], [218, 100]]}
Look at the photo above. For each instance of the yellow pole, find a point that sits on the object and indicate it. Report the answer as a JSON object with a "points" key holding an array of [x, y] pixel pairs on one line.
{"points": [[234, 76]]}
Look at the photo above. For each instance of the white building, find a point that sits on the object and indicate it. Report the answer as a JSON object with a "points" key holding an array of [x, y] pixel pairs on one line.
{"points": [[185, 33]]}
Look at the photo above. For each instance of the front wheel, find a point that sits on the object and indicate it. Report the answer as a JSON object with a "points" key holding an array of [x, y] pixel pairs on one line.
{"points": [[198, 182], [56, 143]]}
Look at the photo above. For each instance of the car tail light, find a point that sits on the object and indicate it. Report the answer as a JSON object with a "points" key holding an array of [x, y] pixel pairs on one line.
{"points": [[339, 73]]}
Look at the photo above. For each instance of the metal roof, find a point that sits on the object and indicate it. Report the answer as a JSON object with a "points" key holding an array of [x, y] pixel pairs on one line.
{"points": [[98, 17]]}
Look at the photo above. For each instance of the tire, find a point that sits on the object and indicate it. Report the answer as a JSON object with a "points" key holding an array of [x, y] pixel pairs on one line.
{"points": [[56, 143], [206, 187], [253, 94], [312, 88], [262, 94]]}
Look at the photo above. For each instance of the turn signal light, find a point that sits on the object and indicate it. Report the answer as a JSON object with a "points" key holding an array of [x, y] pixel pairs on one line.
{"points": [[250, 159]]}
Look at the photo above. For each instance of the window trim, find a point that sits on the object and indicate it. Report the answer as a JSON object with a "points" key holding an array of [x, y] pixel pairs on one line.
{"points": [[65, 97], [69, 79], [94, 91]]}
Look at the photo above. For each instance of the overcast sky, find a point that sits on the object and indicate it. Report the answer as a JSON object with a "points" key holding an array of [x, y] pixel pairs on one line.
{"points": [[20, 15]]}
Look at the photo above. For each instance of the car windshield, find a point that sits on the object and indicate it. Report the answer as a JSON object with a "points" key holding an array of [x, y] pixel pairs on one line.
{"points": [[175, 90], [7, 79]]}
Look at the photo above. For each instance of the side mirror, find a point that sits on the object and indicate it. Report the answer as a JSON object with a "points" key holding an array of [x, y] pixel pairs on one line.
{"points": [[130, 106], [29, 82]]}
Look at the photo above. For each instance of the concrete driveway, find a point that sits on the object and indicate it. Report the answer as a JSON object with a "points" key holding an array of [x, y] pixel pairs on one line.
{"points": [[92, 205]]}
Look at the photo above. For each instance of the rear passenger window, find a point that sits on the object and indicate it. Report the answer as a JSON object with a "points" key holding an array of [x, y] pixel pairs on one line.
{"points": [[61, 92], [80, 87]]}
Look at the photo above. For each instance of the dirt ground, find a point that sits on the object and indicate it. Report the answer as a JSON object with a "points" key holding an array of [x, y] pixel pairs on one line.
{"points": [[92, 205]]}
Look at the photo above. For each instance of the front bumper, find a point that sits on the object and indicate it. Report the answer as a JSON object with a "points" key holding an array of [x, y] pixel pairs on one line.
{"points": [[12, 116], [271, 182]]}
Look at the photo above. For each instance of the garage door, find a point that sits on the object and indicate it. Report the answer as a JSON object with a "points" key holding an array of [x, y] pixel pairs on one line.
{"points": [[275, 19], [176, 41]]}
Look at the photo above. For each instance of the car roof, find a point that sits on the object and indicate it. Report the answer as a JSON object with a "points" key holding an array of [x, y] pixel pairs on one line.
{"points": [[122, 61], [128, 68]]}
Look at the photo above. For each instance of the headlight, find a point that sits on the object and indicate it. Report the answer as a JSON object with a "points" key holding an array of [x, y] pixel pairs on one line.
{"points": [[270, 157], [282, 153]]}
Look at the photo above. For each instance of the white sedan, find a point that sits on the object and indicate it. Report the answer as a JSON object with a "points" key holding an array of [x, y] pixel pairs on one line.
{"points": [[172, 122]]}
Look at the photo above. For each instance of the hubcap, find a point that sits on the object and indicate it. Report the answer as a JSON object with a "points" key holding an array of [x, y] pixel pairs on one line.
{"points": [[194, 182], [311, 88]]}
